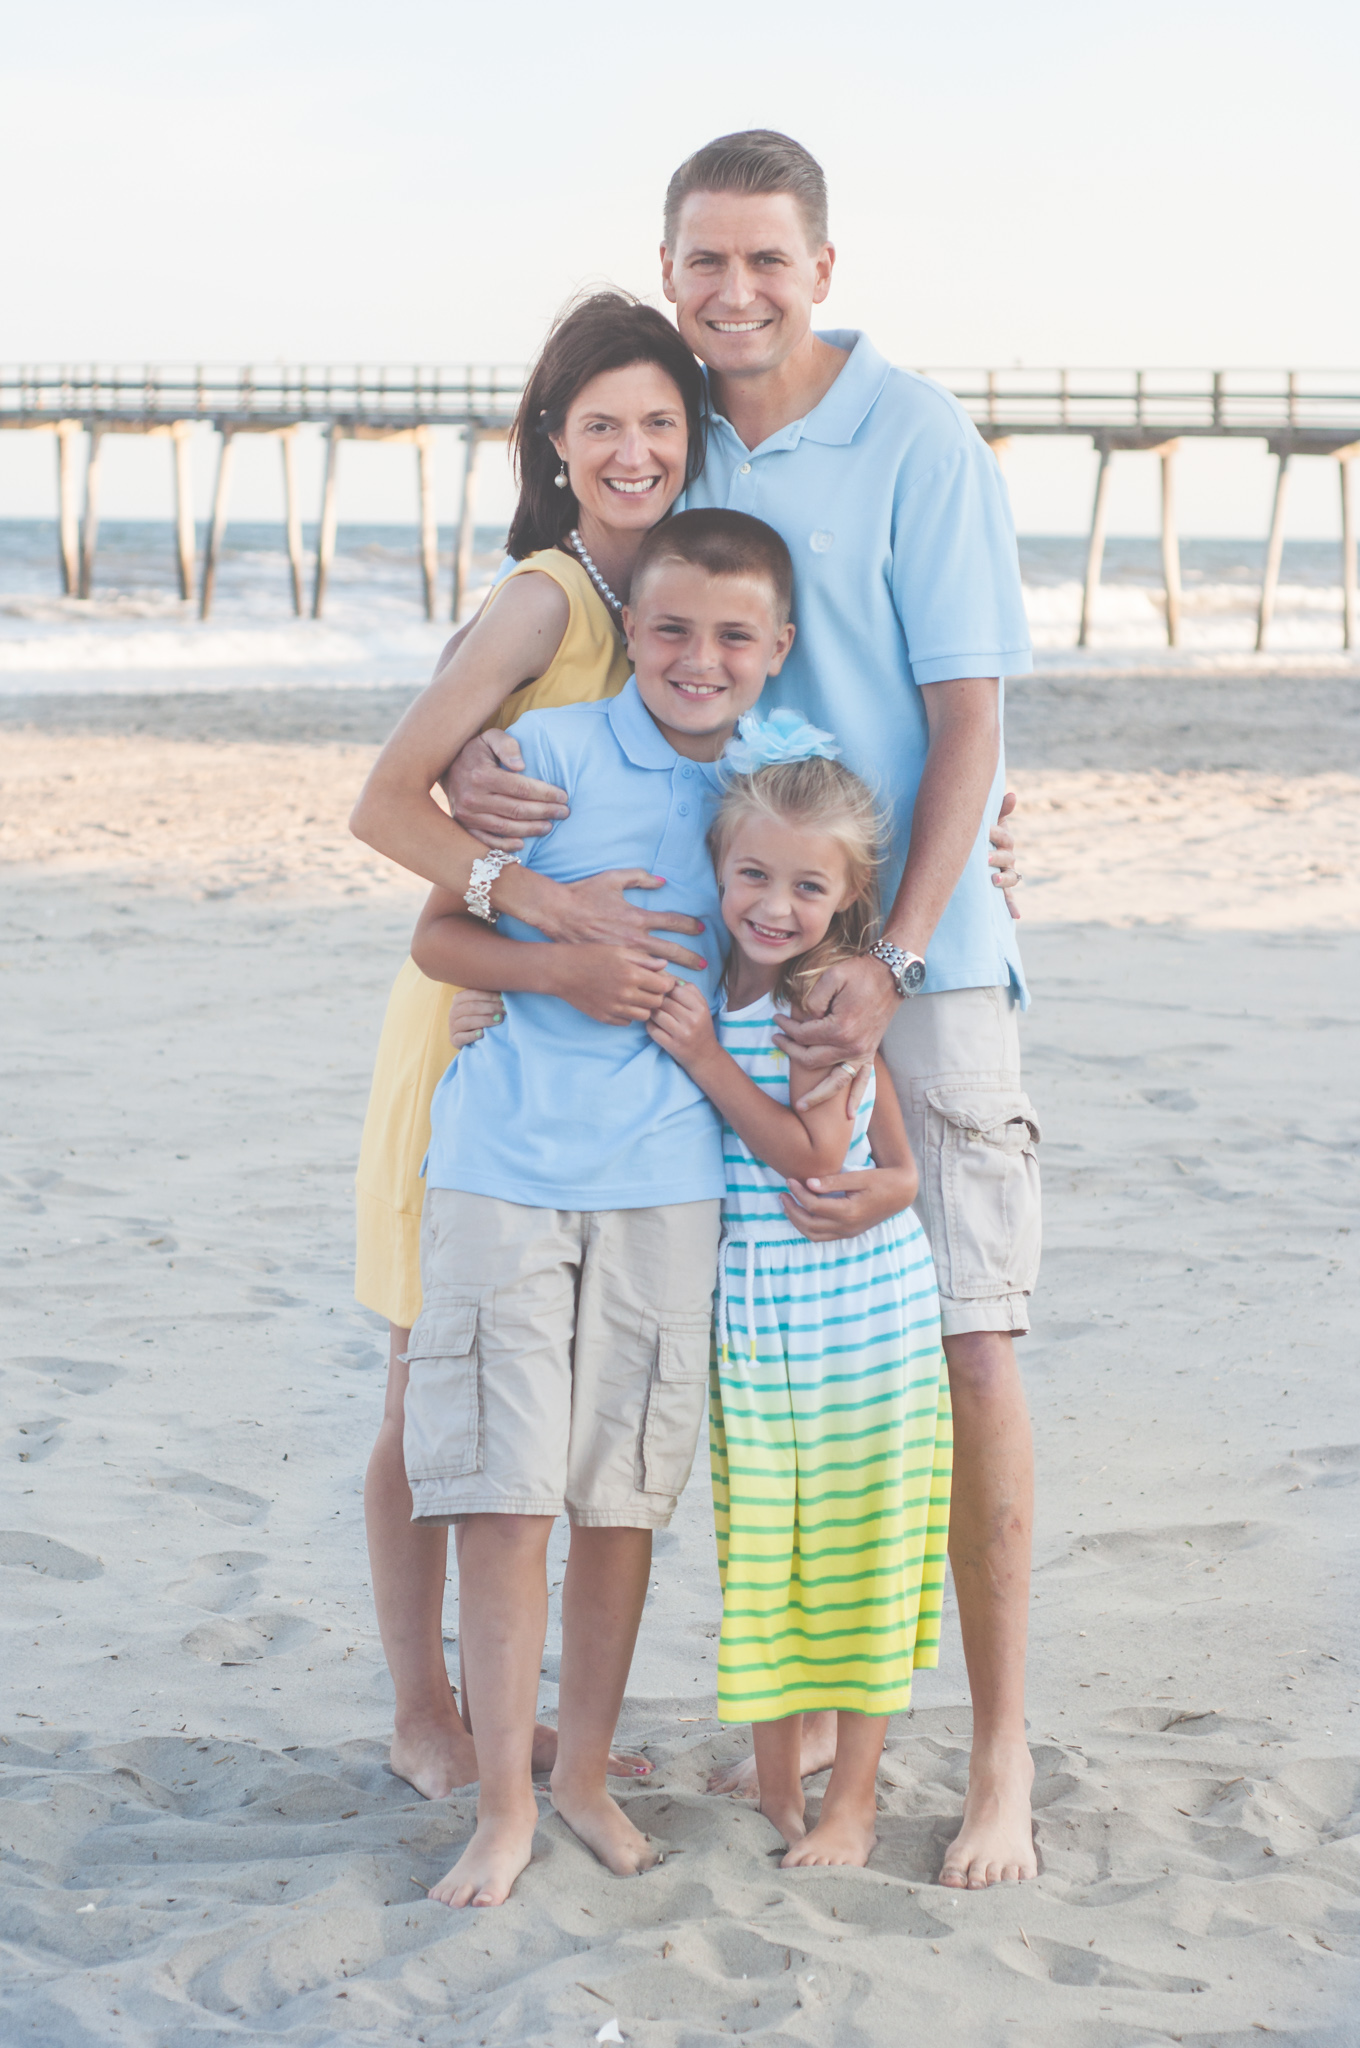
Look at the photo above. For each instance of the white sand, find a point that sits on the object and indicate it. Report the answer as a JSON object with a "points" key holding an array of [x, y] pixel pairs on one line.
{"points": [[193, 1702]]}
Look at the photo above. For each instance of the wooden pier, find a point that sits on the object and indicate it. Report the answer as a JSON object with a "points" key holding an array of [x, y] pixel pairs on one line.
{"points": [[1297, 414]]}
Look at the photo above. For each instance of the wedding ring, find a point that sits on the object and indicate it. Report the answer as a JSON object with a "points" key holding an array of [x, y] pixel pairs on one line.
{"points": [[847, 1068]]}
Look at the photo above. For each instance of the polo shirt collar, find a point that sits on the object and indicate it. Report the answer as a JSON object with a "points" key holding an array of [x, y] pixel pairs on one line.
{"points": [[641, 738], [838, 417]]}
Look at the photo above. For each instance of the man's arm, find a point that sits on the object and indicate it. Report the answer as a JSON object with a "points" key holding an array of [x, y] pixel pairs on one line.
{"points": [[850, 1007]]}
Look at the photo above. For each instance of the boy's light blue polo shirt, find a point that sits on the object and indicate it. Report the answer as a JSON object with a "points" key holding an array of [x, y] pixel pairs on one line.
{"points": [[905, 572], [550, 1108]]}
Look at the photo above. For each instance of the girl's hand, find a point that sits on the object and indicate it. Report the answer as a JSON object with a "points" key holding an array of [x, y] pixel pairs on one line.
{"points": [[473, 1011], [843, 1204], [612, 984], [596, 912], [683, 1026]]}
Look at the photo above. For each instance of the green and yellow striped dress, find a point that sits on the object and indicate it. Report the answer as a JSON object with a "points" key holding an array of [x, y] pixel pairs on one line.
{"points": [[830, 1440]]}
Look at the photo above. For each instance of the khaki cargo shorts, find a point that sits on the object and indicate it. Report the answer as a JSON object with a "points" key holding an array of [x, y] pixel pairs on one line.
{"points": [[560, 1360], [955, 1062]]}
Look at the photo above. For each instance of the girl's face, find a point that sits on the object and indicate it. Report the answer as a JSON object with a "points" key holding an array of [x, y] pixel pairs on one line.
{"points": [[781, 887], [624, 441]]}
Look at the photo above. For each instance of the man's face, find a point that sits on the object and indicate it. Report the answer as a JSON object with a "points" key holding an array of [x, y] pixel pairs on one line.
{"points": [[701, 648], [743, 279]]}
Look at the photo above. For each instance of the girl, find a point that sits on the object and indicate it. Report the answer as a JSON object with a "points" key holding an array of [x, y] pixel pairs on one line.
{"points": [[830, 1413]]}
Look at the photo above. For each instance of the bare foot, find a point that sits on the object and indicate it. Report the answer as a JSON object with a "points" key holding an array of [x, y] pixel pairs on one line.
{"points": [[842, 1836], [995, 1845], [787, 1816], [435, 1756], [491, 1862], [606, 1830], [818, 1753]]}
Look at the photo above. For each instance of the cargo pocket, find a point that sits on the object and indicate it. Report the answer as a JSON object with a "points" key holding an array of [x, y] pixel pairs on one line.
{"points": [[442, 1438], [989, 1188], [675, 1401]]}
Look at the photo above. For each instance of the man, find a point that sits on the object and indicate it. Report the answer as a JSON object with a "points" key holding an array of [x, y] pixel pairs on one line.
{"points": [[909, 613]]}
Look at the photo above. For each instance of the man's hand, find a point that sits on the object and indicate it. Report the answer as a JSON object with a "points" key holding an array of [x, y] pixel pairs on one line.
{"points": [[847, 1012], [612, 984], [1002, 857], [683, 1026], [596, 912], [844, 1204], [492, 797], [473, 1011]]}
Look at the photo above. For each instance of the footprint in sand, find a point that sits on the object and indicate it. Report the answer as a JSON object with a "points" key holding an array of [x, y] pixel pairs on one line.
{"points": [[245, 1640], [1055, 1962], [23, 1551], [222, 1581], [213, 1496], [76, 1375]]}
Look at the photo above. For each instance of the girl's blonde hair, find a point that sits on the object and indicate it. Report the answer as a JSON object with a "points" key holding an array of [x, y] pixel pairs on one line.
{"points": [[814, 795]]}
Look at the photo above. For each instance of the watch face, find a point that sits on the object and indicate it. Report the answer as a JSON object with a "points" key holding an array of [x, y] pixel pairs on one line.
{"points": [[913, 975]]}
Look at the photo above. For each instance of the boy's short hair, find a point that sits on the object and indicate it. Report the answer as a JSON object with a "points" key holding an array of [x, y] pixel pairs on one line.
{"points": [[723, 544], [756, 160]]}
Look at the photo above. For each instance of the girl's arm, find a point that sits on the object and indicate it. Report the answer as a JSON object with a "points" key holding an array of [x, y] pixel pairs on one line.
{"points": [[794, 1142], [839, 1205], [612, 984]]}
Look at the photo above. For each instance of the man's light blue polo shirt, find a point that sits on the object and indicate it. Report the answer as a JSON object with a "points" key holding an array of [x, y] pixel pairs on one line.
{"points": [[550, 1108], [905, 572]]}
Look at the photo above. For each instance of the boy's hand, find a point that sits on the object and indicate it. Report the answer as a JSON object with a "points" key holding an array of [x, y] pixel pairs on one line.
{"points": [[844, 1204], [491, 795], [612, 984], [683, 1026], [473, 1011]]}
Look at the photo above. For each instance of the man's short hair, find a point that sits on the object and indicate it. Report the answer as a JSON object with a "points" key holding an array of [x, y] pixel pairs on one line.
{"points": [[721, 543], [756, 160]]}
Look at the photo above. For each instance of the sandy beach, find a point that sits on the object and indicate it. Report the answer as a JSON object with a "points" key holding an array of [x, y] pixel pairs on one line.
{"points": [[195, 958]]}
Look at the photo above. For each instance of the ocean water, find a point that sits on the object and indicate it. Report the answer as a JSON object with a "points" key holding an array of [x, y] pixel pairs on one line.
{"points": [[135, 634]]}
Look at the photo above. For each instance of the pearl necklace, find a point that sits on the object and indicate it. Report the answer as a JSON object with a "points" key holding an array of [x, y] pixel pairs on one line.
{"points": [[578, 548]]}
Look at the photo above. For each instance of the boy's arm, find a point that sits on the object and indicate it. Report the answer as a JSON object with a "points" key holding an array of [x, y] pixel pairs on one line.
{"points": [[793, 1142], [612, 984], [841, 1205]]}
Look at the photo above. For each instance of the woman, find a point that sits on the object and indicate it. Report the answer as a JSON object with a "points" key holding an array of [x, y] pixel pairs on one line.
{"points": [[608, 434]]}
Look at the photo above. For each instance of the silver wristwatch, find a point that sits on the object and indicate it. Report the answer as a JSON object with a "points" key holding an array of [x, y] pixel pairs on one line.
{"points": [[477, 895], [908, 970]]}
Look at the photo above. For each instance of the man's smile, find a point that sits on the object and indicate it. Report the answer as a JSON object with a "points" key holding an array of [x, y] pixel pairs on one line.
{"points": [[739, 326]]}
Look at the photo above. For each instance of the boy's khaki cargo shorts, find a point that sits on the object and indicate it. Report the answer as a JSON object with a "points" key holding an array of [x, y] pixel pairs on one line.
{"points": [[955, 1062], [560, 1360]]}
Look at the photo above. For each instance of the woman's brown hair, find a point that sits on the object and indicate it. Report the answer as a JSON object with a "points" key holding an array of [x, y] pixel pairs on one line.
{"points": [[607, 331]]}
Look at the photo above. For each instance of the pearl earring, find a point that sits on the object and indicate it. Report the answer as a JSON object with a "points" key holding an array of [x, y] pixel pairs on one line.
{"points": [[561, 479]]}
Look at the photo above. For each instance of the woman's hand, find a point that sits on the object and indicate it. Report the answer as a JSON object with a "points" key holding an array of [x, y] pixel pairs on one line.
{"points": [[683, 1026], [843, 1204], [1002, 857], [492, 797], [473, 1011], [596, 912], [612, 984]]}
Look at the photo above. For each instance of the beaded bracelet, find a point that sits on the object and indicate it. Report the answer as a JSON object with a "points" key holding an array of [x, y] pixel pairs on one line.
{"points": [[484, 872]]}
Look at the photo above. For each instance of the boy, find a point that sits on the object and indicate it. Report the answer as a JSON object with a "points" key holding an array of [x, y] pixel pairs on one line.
{"points": [[574, 1182]]}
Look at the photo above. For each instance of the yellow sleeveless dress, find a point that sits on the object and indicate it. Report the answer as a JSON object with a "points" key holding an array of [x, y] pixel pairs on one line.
{"points": [[414, 1049]]}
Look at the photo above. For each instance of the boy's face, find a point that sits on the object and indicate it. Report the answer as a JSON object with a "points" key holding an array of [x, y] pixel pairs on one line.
{"points": [[701, 647]]}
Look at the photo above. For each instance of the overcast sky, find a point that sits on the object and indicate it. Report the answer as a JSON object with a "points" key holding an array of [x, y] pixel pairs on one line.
{"points": [[1048, 184]]}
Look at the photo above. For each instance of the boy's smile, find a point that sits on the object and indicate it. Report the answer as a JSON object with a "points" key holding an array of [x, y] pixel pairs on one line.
{"points": [[702, 646]]}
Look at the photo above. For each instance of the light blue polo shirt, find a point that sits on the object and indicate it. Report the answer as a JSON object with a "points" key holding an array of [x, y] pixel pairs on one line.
{"points": [[905, 572], [550, 1108]]}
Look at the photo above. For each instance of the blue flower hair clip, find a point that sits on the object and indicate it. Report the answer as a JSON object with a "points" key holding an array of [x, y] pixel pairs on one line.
{"points": [[783, 736]]}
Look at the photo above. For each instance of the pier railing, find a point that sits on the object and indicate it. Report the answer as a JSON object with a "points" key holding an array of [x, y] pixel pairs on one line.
{"points": [[1296, 413]]}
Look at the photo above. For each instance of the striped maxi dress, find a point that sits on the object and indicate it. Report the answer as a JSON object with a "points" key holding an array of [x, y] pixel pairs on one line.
{"points": [[829, 1436]]}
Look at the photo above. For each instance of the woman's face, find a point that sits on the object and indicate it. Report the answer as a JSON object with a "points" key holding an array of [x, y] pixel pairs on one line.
{"points": [[624, 441]]}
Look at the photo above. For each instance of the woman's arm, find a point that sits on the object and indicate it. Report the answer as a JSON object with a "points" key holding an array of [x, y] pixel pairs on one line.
{"points": [[840, 1205], [612, 984], [510, 644], [793, 1142]]}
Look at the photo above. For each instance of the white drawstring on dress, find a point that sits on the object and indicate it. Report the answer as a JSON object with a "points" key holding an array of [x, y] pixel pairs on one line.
{"points": [[724, 1330]]}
